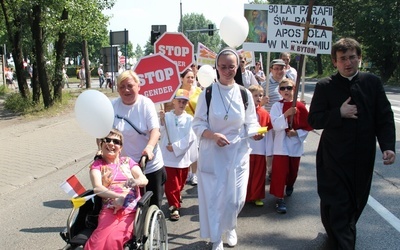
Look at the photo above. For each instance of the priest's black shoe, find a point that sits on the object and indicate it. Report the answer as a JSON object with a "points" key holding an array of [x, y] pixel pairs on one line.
{"points": [[289, 190]]}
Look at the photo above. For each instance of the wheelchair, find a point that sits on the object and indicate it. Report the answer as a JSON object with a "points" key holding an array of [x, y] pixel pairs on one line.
{"points": [[150, 228]]}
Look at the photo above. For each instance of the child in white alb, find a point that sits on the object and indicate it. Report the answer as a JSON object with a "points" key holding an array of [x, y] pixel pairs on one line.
{"points": [[179, 149]]}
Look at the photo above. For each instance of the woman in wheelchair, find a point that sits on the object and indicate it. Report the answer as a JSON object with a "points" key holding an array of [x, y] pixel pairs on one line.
{"points": [[116, 180]]}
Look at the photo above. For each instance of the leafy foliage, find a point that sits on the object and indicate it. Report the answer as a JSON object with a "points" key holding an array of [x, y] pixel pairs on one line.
{"points": [[17, 104], [195, 21], [39, 30], [138, 52], [148, 48], [192, 24]]}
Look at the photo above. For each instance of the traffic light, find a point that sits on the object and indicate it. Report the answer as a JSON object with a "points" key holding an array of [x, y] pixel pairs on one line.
{"points": [[156, 32], [154, 36], [211, 29]]}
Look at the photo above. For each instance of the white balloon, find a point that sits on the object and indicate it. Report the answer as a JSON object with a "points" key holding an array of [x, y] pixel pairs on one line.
{"points": [[234, 30], [94, 113], [206, 75]]}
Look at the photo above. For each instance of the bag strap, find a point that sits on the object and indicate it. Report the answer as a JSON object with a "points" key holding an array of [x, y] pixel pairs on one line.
{"points": [[244, 96], [208, 97], [130, 123]]}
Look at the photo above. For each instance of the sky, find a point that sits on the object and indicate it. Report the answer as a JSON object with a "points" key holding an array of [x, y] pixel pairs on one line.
{"points": [[138, 16]]}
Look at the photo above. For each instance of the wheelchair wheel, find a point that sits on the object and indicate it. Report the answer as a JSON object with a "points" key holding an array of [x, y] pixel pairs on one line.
{"points": [[155, 228]]}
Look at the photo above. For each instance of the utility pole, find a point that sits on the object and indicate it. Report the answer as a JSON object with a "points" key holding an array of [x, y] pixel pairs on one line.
{"points": [[181, 18]]}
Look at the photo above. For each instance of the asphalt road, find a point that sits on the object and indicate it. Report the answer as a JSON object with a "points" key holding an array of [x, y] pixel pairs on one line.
{"points": [[33, 214]]}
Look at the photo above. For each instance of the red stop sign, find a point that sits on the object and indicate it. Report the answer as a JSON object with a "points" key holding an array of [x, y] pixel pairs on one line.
{"points": [[159, 77], [176, 47]]}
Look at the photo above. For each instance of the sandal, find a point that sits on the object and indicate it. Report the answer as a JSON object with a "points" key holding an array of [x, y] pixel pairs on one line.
{"points": [[259, 203], [174, 215]]}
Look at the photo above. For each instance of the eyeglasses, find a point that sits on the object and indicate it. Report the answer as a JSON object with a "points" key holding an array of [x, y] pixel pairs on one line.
{"points": [[345, 58], [115, 141], [230, 68], [286, 87]]}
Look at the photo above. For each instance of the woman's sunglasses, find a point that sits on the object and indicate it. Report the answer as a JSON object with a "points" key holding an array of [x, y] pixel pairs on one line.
{"points": [[115, 141]]}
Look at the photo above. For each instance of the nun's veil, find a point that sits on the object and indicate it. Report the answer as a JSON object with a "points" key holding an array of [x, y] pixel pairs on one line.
{"points": [[238, 76]]}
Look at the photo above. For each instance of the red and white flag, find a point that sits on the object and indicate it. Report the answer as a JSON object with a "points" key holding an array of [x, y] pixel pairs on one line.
{"points": [[72, 186]]}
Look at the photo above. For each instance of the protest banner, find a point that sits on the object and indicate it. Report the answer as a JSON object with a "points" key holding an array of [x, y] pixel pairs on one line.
{"points": [[280, 36]]}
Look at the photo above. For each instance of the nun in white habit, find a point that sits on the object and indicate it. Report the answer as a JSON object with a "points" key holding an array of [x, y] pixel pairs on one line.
{"points": [[223, 163]]}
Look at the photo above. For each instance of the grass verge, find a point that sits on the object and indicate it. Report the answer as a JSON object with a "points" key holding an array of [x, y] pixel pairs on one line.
{"points": [[14, 103]]}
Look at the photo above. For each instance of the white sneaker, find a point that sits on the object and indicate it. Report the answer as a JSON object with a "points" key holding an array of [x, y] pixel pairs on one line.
{"points": [[193, 180], [231, 237], [218, 245], [189, 177]]}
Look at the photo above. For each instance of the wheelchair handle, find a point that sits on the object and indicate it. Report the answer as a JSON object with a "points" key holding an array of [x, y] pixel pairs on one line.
{"points": [[142, 162]]}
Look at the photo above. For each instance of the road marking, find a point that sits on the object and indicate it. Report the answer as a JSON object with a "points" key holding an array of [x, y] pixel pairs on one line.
{"points": [[374, 204], [393, 100], [394, 108], [384, 213]]}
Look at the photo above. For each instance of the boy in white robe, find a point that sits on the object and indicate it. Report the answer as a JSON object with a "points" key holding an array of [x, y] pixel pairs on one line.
{"points": [[179, 149]]}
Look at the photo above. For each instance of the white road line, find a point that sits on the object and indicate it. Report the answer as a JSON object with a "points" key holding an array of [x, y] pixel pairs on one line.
{"points": [[394, 108], [392, 100], [374, 204], [384, 213]]}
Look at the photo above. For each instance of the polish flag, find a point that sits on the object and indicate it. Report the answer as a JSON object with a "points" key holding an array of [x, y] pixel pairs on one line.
{"points": [[72, 186]]}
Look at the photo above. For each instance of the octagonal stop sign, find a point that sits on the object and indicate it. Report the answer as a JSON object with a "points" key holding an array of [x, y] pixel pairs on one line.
{"points": [[177, 48], [159, 77]]}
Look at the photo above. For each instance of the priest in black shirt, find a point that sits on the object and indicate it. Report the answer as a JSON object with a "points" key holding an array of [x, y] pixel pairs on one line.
{"points": [[352, 109]]}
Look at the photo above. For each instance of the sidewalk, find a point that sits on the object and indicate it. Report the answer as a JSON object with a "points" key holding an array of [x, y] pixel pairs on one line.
{"points": [[34, 148]]}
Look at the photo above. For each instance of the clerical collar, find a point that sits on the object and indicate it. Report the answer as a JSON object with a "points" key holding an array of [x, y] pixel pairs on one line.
{"points": [[351, 77]]}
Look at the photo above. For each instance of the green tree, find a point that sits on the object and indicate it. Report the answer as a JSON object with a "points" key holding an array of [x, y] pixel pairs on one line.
{"points": [[379, 33], [15, 24], [89, 23], [40, 30], [194, 21], [138, 53], [258, 2], [148, 48], [129, 50]]}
